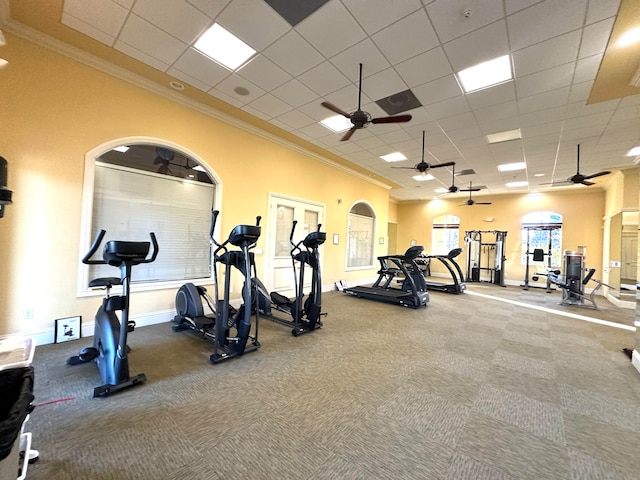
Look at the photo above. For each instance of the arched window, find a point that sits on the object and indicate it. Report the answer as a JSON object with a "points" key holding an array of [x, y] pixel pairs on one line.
{"points": [[137, 188], [360, 235], [542, 230], [445, 234]]}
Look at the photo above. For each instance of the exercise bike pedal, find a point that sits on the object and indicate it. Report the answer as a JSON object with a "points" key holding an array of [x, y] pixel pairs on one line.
{"points": [[87, 354], [131, 326]]}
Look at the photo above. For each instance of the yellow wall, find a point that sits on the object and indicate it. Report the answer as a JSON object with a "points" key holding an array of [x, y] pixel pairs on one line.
{"points": [[582, 212], [55, 110]]}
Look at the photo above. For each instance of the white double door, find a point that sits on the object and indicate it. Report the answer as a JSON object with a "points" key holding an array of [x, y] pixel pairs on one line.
{"points": [[279, 273]]}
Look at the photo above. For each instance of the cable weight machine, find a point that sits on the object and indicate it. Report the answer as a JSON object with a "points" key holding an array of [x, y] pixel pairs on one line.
{"points": [[487, 245], [538, 254]]}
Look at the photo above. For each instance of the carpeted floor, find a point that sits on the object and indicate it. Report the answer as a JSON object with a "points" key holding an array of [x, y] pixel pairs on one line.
{"points": [[475, 386]]}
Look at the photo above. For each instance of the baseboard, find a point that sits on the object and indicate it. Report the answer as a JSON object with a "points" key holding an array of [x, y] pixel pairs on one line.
{"points": [[635, 360]]}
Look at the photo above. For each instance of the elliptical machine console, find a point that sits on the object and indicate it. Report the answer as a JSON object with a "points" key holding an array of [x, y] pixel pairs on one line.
{"points": [[110, 349]]}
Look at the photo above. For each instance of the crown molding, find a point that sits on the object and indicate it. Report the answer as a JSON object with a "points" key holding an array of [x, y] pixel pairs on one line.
{"points": [[51, 43]]}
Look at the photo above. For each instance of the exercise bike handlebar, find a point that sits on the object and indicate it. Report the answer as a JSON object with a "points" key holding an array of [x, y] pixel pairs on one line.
{"points": [[98, 240]]}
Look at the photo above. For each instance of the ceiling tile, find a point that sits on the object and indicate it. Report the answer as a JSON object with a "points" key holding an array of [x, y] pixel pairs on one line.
{"points": [[550, 53], [455, 18], [364, 52], [271, 106], [479, 46], [374, 15], [256, 23], [424, 67], [295, 93], [149, 39], [541, 101], [595, 38], [200, 67], [546, 80], [260, 70], [295, 119], [492, 96], [383, 84], [324, 79], [87, 29], [212, 8], [437, 90], [406, 38], [600, 9], [448, 107], [105, 16], [163, 14], [229, 84], [344, 31], [543, 21], [497, 112], [293, 54], [587, 68], [141, 56]]}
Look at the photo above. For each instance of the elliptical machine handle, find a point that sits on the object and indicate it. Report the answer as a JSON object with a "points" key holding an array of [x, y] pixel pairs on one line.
{"points": [[319, 225], [293, 229], [258, 218], [94, 247], [156, 249]]}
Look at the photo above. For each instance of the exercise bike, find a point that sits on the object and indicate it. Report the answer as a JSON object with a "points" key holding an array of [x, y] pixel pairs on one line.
{"points": [[305, 315], [216, 326], [110, 349]]}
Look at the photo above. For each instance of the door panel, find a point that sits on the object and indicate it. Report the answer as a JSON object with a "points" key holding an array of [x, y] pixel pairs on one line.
{"points": [[278, 266]]}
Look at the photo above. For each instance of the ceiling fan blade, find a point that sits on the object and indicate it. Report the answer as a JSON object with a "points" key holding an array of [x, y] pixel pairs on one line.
{"points": [[599, 174], [445, 164], [482, 203], [335, 109], [587, 183], [406, 168], [469, 189], [396, 119], [348, 135]]}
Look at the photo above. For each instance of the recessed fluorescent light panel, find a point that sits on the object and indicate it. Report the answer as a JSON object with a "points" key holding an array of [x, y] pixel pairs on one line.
{"points": [[121, 148], [634, 152], [516, 184], [224, 47], [504, 136], [337, 123], [393, 157], [422, 177], [441, 190], [511, 167], [486, 74]]}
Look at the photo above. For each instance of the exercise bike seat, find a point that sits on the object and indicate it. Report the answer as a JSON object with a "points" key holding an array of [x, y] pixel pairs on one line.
{"points": [[105, 282]]}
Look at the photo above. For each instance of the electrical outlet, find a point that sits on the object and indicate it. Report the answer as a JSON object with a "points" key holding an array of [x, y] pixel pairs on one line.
{"points": [[28, 314]]}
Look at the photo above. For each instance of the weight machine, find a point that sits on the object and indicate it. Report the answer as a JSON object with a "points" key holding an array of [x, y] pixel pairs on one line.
{"points": [[493, 253], [538, 254]]}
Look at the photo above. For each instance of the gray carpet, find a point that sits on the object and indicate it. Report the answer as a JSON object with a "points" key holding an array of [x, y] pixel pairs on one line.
{"points": [[468, 388]]}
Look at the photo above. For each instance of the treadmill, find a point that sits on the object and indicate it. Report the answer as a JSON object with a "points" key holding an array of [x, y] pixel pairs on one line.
{"points": [[457, 284], [413, 291]]}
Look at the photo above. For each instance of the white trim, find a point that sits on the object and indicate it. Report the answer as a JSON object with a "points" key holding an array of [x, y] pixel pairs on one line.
{"points": [[51, 43], [635, 360]]}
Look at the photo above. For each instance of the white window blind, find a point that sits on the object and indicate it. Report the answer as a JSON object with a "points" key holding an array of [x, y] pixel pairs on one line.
{"points": [[360, 252], [130, 203]]}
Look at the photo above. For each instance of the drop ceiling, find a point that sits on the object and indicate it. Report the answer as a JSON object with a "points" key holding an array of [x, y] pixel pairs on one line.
{"points": [[570, 86]]}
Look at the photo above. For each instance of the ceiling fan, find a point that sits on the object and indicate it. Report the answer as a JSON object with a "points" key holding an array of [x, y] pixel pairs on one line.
{"points": [[579, 178], [164, 157], [360, 119], [471, 201], [423, 166], [453, 188]]}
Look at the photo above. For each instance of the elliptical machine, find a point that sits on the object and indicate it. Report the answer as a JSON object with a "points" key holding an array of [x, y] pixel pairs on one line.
{"points": [[110, 349], [305, 314], [216, 326]]}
